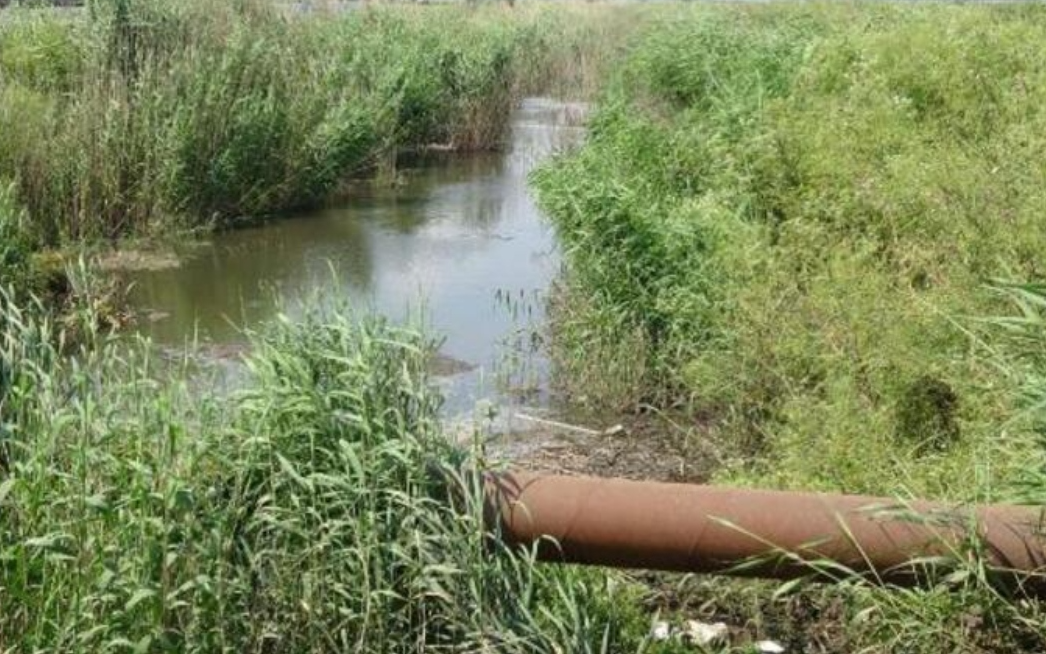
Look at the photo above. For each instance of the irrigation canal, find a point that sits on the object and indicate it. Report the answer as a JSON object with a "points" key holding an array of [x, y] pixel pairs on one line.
{"points": [[458, 239]]}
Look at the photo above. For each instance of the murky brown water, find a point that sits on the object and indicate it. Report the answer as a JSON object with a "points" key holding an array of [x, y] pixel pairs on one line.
{"points": [[461, 238]]}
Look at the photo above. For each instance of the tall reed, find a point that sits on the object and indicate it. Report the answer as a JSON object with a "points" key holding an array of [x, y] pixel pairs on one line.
{"points": [[319, 509], [141, 117]]}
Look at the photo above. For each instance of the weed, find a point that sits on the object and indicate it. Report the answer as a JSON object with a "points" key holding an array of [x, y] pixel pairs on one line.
{"points": [[793, 222]]}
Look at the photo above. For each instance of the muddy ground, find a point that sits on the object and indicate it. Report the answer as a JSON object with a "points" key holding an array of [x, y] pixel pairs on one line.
{"points": [[641, 447]]}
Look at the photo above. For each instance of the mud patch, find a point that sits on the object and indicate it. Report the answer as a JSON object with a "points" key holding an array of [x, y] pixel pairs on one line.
{"points": [[137, 261], [636, 447], [441, 365]]}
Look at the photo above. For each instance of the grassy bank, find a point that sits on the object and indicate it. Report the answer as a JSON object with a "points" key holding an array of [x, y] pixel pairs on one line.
{"points": [[795, 216], [312, 511], [791, 224], [138, 118]]}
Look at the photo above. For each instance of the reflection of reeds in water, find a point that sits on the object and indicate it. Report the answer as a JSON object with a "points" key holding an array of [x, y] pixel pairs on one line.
{"points": [[521, 371]]}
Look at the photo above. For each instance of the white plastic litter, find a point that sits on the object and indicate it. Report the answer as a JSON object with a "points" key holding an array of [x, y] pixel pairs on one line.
{"points": [[702, 633], [661, 631]]}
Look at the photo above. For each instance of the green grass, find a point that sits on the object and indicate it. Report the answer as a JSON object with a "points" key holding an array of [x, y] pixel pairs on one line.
{"points": [[789, 223], [14, 250], [318, 509], [795, 225]]}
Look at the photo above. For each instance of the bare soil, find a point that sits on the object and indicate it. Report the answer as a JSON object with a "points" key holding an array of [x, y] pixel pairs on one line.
{"points": [[636, 447]]}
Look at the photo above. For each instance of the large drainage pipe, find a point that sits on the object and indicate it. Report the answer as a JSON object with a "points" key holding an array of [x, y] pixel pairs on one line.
{"points": [[781, 535]]}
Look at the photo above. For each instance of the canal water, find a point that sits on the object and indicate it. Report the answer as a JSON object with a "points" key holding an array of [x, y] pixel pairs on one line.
{"points": [[458, 240]]}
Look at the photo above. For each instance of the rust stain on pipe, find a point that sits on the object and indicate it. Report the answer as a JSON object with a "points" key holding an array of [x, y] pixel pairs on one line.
{"points": [[689, 528]]}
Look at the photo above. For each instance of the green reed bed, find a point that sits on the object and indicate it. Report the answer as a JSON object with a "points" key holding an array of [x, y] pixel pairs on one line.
{"points": [[140, 117], [319, 509], [14, 246]]}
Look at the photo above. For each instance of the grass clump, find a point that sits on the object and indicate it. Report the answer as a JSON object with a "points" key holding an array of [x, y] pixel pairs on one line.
{"points": [[14, 248], [22, 268], [318, 509]]}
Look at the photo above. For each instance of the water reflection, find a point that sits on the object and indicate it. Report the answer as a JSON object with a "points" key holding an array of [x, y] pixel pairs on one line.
{"points": [[454, 233]]}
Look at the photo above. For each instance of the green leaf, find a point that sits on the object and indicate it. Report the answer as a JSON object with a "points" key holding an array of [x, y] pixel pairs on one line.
{"points": [[139, 596], [5, 488]]}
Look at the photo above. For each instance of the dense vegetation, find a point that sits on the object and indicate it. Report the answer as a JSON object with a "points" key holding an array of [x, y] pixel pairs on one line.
{"points": [[320, 508], [795, 214], [814, 230], [306, 513], [795, 223], [137, 118]]}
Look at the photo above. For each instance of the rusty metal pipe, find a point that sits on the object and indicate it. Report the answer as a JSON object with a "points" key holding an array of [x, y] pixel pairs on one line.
{"points": [[781, 535]]}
